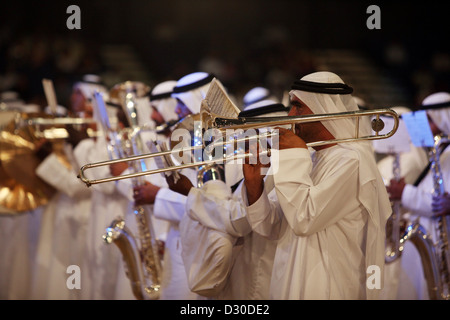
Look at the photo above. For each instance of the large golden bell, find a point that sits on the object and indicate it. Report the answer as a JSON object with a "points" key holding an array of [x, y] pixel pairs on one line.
{"points": [[20, 188]]}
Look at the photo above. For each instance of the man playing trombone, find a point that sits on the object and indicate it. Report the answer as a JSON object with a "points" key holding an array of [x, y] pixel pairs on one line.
{"points": [[334, 205]]}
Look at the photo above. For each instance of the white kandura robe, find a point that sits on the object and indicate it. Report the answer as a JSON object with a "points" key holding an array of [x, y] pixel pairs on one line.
{"points": [[63, 232], [215, 207], [417, 200], [327, 239], [171, 207], [19, 232], [103, 261]]}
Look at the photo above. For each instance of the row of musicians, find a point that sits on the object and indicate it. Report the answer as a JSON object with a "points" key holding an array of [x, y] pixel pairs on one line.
{"points": [[210, 221]]}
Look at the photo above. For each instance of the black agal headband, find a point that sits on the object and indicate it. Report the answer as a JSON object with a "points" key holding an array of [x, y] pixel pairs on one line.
{"points": [[263, 110], [193, 85], [319, 87], [434, 106], [160, 96]]}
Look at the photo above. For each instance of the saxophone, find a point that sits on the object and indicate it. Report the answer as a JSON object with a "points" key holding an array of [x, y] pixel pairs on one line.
{"points": [[394, 247], [119, 234], [434, 255], [441, 222], [142, 258]]}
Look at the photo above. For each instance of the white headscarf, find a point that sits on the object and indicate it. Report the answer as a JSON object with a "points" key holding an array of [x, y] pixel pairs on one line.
{"points": [[12, 100], [441, 116], [256, 94], [166, 105], [193, 98], [89, 85], [372, 191]]}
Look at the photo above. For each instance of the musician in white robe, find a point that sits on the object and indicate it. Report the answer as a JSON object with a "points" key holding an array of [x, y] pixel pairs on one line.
{"points": [[125, 187], [168, 205], [418, 200], [104, 262], [334, 203], [218, 206], [190, 90], [64, 230], [410, 165]]}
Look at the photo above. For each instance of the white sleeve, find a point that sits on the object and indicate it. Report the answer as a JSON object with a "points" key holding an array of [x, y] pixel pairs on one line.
{"points": [[417, 201], [169, 205], [90, 151], [65, 180], [215, 207], [308, 207], [125, 186], [264, 216]]}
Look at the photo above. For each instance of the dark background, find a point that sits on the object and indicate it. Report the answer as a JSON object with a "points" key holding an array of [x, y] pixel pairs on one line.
{"points": [[244, 42]]}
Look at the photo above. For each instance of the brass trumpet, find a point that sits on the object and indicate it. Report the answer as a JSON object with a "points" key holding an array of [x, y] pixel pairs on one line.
{"points": [[209, 120]]}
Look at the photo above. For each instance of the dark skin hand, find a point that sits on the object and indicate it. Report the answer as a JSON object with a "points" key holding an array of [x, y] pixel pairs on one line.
{"points": [[116, 169], [182, 186], [441, 204], [145, 194], [395, 189], [253, 179]]}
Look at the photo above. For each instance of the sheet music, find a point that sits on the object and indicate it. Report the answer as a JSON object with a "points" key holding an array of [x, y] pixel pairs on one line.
{"points": [[419, 128], [50, 95], [100, 112], [219, 102], [398, 143]]}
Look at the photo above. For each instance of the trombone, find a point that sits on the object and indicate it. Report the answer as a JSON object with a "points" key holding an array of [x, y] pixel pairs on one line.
{"points": [[54, 128], [223, 124]]}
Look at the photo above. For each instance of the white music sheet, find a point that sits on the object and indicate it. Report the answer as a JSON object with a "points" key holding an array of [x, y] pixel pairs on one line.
{"points": [[419, 128], [100, 112]]}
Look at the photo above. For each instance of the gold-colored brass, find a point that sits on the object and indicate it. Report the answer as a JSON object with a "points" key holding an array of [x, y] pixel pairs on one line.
{"points": [[20, 188]]}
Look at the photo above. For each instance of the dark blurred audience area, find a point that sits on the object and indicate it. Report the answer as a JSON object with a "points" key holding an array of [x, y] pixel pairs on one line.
{"points": [[265, 53]]}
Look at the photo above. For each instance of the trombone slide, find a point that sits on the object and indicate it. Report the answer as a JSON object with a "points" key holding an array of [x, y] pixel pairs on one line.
{"points": [[224, 124]]}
